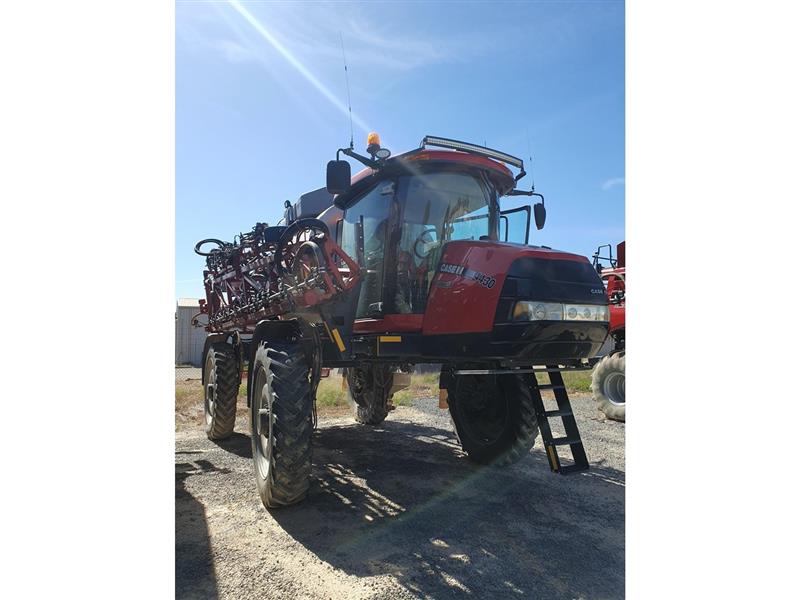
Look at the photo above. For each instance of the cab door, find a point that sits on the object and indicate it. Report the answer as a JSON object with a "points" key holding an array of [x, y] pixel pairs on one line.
{"points": [[375, 214]]}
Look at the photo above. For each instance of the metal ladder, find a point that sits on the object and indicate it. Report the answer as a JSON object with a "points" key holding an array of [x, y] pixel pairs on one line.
{"points": [[564, 410]]}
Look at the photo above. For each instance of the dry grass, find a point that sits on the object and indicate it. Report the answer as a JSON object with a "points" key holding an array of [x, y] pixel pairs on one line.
{"points": [[331, 392], [189, 403], [576, 381], [332, 396]]}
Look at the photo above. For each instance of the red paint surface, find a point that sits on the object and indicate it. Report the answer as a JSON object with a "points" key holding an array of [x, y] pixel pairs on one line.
{"points": [[616, 311], [468, 306], [462, 158]]}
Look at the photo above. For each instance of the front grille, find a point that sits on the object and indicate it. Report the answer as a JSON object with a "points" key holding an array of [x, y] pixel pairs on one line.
{"points": [[549, 280]]}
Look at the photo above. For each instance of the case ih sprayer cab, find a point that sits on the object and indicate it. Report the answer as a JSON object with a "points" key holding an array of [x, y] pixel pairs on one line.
{"points": [[410, 261], [608, 378]]}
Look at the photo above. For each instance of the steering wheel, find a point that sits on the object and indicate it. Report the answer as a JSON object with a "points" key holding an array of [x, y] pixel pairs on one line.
{"points": [[419, 241]]}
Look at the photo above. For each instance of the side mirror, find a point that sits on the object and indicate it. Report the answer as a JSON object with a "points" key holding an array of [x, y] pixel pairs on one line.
{"points": [[539, 214], [337, 180]]}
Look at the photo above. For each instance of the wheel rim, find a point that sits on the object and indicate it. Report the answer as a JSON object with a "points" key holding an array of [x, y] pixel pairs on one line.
{"points": [[614, 388], [485, 411], [209, 396], [262, 423]]}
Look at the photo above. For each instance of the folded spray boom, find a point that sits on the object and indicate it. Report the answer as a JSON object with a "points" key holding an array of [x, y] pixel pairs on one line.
{"points": [[272, 271]]}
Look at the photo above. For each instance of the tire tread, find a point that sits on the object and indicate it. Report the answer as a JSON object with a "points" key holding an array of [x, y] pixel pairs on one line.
{"points": [[290, 470], [226, 365], [372, 407], [609, 364], [521, 436]]}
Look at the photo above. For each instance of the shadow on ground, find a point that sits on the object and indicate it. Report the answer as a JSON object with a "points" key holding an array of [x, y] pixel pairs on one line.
{"points": [[402, 500], [238, 443], [194, 568]]}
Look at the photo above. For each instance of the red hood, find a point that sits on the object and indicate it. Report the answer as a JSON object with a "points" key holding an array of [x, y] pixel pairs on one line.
{"points": [[457, 303]]}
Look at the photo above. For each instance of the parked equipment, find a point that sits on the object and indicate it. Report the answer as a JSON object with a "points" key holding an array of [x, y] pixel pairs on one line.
{"points": [[412, 260], [608, 378]]}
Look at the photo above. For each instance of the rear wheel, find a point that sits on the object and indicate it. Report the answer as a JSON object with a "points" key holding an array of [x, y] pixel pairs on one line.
{"points": [[608, 386], [280, 417], [221, 386], [494, 417], [369, 389]]}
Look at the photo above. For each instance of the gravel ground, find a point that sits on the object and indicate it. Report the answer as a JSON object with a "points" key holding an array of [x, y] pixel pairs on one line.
{"points": [[398, 512]]}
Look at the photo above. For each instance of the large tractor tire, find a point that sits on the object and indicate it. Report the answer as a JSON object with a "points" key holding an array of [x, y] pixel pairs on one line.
{"points": [[494, 417], [608, 386], [221, 387], [281, 426], [369, 389]]}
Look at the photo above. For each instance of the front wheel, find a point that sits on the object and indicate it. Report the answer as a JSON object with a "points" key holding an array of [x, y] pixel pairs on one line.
{"points": [[281, 426], [494, 417], [608, 386]]}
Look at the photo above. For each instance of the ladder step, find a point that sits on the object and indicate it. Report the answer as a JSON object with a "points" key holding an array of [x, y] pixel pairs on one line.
{"points": [[572, 437], [558, 413], [573, 469], [565, 441]]}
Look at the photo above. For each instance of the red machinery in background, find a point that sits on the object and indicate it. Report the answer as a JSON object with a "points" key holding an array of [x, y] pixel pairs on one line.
{"points": [[608, 378]]}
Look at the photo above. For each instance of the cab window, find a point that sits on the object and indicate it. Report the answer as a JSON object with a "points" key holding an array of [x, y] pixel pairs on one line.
{"points": [[374, 209]]}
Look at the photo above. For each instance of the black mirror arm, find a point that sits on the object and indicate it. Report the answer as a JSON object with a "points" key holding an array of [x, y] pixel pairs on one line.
{"points": [[368, 162], [525, 193]]}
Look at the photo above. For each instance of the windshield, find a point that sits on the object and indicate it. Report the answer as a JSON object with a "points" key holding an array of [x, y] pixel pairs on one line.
{"points": [[438, 207], [446, 205]]}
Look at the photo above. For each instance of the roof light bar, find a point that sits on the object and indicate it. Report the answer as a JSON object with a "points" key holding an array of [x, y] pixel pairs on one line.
{"points": [[430, 140]]}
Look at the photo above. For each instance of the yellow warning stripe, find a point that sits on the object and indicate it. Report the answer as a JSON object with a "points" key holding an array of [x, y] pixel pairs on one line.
{"points": [[553, 461], [390, 338], [338, 339]]}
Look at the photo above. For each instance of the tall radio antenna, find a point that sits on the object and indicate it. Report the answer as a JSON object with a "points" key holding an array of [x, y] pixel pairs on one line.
{"points": [[347, 82], [530, 157]]}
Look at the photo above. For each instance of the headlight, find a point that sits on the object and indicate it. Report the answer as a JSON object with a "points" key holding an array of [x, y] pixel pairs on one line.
{"points": [[586, 312], [527, 310], [530, 310]]}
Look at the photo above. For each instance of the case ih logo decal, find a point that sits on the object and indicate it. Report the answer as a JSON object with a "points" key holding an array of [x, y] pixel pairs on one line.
{"points": [[462, 271]]}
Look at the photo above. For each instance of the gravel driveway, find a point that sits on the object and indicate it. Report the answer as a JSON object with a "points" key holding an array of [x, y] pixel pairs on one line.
{"points": [[398, 512]]}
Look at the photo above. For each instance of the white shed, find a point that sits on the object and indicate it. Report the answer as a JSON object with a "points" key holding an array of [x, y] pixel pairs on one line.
{"points": [[188, 340]]}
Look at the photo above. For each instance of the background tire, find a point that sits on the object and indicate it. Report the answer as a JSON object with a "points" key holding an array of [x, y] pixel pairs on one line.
{"points": [[220, 387], [494, 417], [369, 390], [608, 386], [281, 426]]}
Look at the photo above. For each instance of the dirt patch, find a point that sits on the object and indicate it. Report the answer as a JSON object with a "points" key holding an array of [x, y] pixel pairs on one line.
{"points": [[397, 511]]}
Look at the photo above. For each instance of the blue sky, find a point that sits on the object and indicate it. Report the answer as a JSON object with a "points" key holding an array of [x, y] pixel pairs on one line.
{"points": [[261, 104]]}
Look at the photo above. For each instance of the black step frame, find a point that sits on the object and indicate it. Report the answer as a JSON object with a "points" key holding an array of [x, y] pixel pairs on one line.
{"points": [[564, 411]]}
